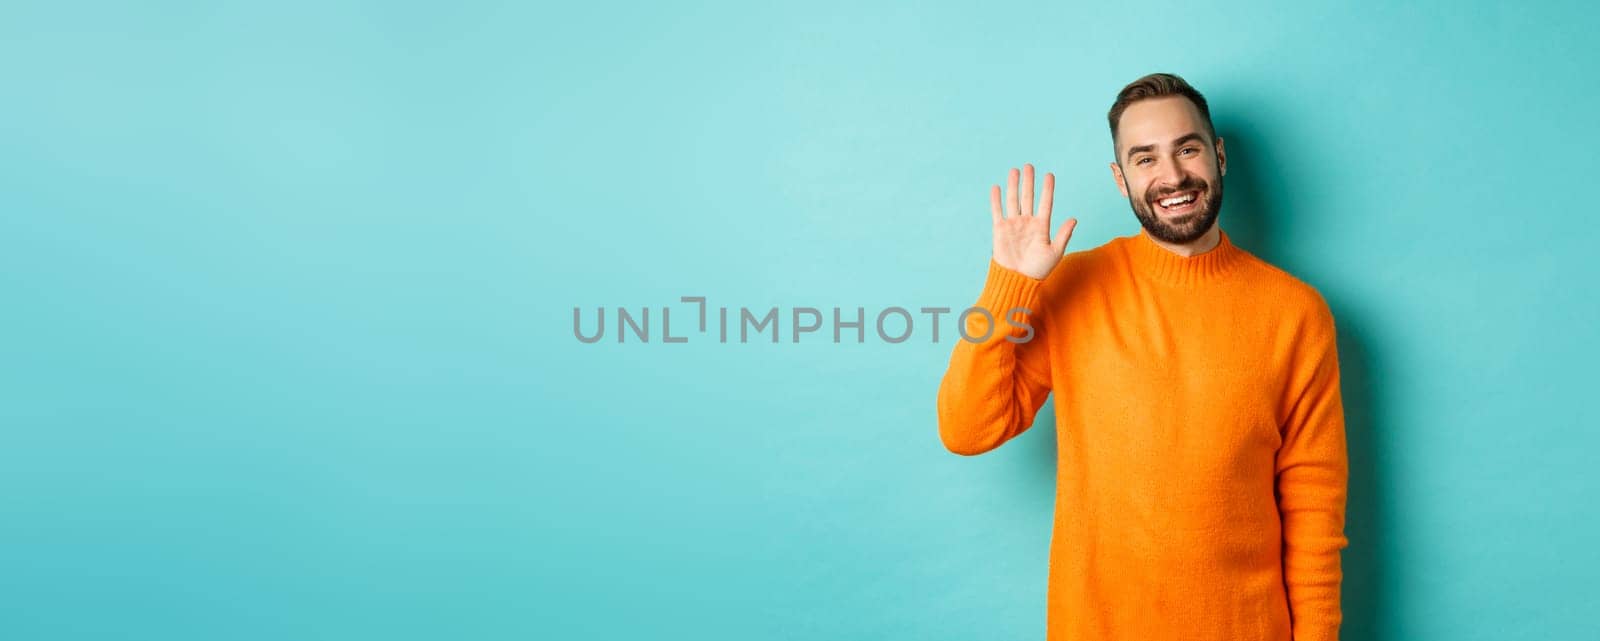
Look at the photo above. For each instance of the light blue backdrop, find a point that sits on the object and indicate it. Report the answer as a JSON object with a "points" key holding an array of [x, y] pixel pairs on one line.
{"points": [[288, 292]]}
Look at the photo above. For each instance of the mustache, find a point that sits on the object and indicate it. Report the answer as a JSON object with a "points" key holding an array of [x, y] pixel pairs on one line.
{"points": [[1187, 185]]}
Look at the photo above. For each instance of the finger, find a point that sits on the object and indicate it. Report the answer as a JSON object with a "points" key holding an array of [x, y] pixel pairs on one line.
{"points": [[1027, 189], [1047, 198], [994, 204], [1011, 193], [1064, 235]]}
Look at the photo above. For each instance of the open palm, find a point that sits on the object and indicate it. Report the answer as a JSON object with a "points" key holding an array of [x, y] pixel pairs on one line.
{"points": [[1022, 241]]}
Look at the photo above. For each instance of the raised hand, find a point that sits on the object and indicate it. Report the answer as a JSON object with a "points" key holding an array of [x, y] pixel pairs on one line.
{"points": [[1022, 240]]}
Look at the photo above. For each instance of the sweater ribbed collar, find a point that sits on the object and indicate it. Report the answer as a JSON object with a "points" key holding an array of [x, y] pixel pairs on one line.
{"points": [[1161, 264]]}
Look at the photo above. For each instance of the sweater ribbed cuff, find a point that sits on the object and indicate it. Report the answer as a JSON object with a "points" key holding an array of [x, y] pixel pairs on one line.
{"points": [[1004, 291], [1317, 634]]}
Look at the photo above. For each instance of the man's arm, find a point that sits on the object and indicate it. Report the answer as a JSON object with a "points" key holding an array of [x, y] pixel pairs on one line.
{"points": [[995, 386], [1312, 476]]}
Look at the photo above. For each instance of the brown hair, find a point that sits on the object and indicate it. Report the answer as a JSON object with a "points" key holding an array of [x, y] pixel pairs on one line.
{"points": [[1157, 85]]}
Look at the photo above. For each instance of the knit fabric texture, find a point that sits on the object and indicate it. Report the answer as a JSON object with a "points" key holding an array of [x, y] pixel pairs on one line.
{"points": [[1201, 460]]}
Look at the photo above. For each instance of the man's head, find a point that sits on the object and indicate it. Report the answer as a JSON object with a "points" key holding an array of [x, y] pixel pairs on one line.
{"points": [[1166, 147]]}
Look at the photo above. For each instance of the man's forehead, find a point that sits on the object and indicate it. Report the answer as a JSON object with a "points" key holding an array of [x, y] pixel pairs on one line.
{"points": [[1158, 122], [1166, 109]]}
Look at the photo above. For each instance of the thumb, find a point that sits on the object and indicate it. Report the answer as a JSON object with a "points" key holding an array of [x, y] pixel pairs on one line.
{"points": [[1065, 234]]}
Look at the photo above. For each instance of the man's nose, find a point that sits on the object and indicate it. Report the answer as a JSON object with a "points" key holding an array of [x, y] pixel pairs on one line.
{"points": [[1171, 176]]}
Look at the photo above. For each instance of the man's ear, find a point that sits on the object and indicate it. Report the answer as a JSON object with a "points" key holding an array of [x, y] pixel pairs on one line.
{"points": [[1222, 158], [1122, 183]]}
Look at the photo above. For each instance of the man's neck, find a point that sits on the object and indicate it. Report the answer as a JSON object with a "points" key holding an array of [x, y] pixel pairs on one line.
{"points": [[1206, 242]]}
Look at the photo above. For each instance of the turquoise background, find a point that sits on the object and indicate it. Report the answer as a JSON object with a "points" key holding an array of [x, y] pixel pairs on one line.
{"points": [[288, 292]]}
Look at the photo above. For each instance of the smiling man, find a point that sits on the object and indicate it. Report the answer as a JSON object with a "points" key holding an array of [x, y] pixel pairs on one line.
{"points": [[1202, 469]]}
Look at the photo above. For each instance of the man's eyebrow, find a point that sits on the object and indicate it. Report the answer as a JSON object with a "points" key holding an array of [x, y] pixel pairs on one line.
{"points": [[1193, 135]]}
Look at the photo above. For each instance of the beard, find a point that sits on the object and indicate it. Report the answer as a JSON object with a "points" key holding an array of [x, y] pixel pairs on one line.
{"points": [[1181, 229]]}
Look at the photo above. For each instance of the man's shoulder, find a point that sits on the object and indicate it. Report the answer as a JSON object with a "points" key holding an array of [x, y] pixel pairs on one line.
{"points": [[1084, 262], [1079, 272], [1288, 291]]}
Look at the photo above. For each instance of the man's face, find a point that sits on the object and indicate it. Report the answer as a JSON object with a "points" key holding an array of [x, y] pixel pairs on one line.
{"points": [[1163, 151]]}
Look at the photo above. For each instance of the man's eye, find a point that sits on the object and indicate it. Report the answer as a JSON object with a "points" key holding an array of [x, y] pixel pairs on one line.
{"points": [[1141, 161], [1192, 149]]}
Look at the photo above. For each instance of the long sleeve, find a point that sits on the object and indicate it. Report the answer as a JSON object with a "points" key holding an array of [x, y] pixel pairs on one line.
{"points": [[994, 387], [1312, 477]]}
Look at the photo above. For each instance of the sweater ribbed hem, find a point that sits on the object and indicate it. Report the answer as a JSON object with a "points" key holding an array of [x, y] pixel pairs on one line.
{"points": [[1163, 265]]}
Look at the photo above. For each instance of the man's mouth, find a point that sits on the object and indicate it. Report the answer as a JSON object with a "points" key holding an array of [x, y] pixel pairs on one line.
{"points": [[1180, 203]]}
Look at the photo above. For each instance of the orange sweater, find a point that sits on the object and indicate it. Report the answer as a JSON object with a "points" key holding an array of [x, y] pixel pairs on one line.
{"points": [[1201, 475]]}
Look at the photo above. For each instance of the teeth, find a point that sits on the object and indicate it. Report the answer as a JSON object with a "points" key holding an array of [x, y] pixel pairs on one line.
{"points": [[1178, 200]]}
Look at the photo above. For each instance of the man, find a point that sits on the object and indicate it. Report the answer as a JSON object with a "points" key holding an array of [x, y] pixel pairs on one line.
{"points": [[1202, 468]]}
